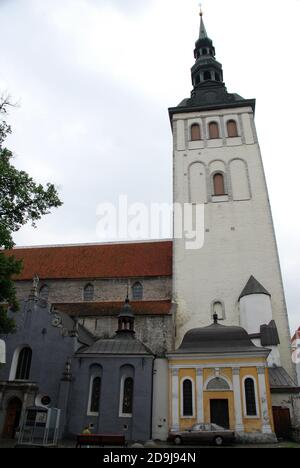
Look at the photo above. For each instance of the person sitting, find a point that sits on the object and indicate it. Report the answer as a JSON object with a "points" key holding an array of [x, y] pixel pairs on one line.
{"points": [[88, 429]]}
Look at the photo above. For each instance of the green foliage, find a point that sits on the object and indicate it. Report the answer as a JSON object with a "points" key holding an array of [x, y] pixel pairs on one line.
{"points": [[22, 200], [9, 266]]}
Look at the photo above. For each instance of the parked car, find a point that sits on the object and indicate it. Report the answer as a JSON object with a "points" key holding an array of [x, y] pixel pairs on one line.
{"points": [[203, 433]]}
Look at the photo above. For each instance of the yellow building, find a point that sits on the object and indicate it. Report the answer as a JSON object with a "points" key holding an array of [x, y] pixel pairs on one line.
{"points": [[219, 376]]}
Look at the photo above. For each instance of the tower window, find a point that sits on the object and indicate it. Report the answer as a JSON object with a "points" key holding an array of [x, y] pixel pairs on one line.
{"points": [[250, 397], [213, 130], [219, 185], [187, 398], [232, 129], [204, 51], [24, 364], [137, 291], [88, 292], [197, 79], [207, 75], [195, 132], [217, 76]]}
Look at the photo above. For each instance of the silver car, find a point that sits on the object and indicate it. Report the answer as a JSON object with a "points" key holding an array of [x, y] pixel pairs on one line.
{"points": [[203, 433]]}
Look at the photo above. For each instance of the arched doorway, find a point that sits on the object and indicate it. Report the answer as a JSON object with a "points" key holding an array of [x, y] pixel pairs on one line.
{"points": [[12, 419]]}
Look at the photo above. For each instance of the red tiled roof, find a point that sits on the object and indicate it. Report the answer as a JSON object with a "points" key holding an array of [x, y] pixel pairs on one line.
{"points": [[92, 309], [296, 335], [96, 261]]}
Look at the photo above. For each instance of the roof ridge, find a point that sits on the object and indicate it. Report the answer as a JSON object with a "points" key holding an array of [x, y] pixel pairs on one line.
{"points": [[92, 244]]}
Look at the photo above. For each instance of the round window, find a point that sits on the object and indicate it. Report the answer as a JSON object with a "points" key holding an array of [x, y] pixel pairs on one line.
{"points": [[46, 400]]}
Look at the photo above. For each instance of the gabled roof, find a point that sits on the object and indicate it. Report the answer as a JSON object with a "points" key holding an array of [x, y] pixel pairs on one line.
{"points": [[116, 346], [253, 287], [116, 260], [281, 382]]}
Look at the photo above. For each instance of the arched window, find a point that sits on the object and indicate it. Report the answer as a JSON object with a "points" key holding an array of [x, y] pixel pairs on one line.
{"points": [[137, 291], [187, 398], [218, 308], [217, 77], [127, 396], [197, 79], [217, 384], [232, 130], [213, 130], [88, 292], [195, 132], [44, 292], [24, 364], [219, 185], [204, 51], [95, 391], [207, 75], [250, 397]]}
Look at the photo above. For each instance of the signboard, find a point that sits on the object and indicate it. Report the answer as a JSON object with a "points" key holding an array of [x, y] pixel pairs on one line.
{"points": [[2, 352]]}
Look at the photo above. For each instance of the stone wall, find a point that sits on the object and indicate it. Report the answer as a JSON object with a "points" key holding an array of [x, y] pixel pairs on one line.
{"points": [[105, 290], [156, 332]]}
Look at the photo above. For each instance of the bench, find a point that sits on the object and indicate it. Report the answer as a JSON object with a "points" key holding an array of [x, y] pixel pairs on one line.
{"points": [[100, 440]]}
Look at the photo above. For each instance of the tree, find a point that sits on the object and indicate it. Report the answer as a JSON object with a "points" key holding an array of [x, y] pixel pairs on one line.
{"points": [[22, 200]]}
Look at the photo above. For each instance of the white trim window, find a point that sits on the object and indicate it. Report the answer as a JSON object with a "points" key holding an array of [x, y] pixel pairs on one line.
{"points": [[94, 396], [251, 409], [187, 398], [126, 397]]}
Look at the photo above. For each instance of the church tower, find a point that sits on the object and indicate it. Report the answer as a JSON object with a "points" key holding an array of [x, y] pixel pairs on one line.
{"points": [[217, 163]]}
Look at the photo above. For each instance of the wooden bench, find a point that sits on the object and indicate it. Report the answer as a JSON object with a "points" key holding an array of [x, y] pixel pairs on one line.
{"points": [[100, 440]]}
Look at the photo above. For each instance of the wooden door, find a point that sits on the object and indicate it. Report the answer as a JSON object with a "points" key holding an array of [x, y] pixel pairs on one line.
{"points": [[12, 418], [282, 422], [219, 413]]}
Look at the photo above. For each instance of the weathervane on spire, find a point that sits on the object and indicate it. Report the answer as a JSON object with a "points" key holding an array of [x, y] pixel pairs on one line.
{"points": [[201, 11]]}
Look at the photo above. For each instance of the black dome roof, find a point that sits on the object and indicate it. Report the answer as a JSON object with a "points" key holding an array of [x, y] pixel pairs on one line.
{"points": [[216, 337]]}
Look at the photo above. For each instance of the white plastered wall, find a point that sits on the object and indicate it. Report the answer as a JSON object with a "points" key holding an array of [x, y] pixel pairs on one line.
{"points": [[255, 310], [160, 416]]}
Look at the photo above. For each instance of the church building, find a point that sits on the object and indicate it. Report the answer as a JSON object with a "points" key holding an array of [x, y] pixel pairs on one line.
{"points": [[203, 335]]}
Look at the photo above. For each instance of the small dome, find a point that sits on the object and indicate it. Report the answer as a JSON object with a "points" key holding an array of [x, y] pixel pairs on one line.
{"points": [[216, 337]]}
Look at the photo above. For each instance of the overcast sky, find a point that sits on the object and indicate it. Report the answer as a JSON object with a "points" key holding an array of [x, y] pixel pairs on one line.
{"points": [[94, 79]]}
